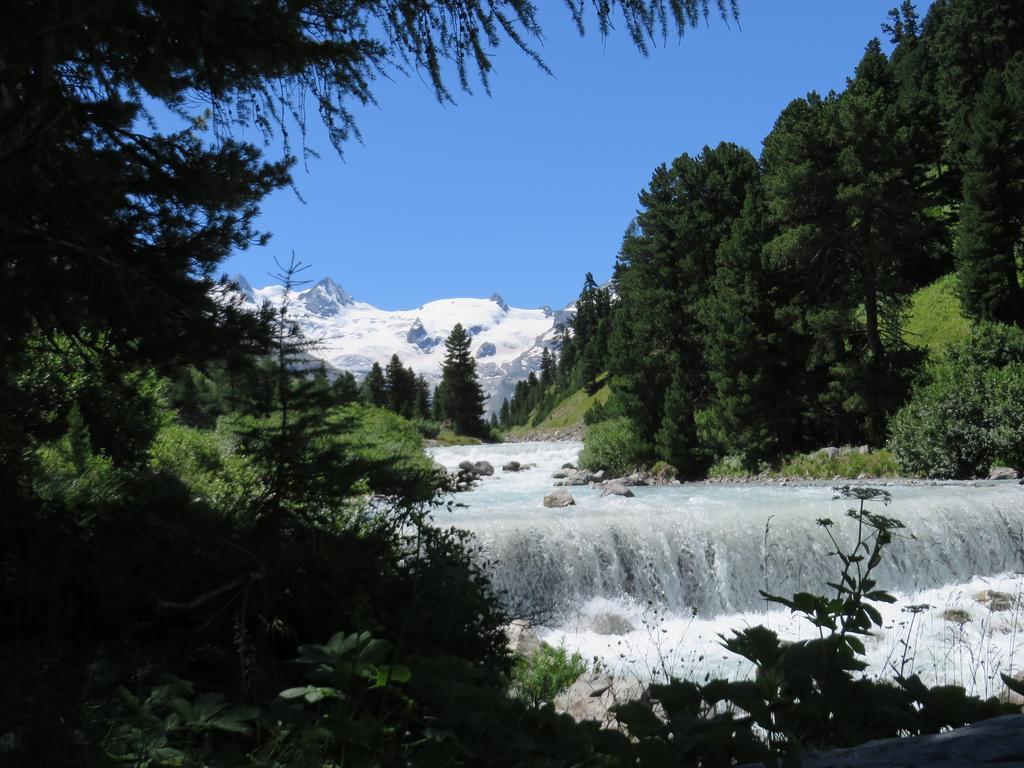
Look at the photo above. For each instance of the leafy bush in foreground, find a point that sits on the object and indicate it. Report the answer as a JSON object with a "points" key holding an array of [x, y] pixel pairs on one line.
{"points": [[540, 677]]}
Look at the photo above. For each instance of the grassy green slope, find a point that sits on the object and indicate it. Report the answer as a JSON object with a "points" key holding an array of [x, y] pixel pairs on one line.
{"points": [[568, 413], [935, 319]]}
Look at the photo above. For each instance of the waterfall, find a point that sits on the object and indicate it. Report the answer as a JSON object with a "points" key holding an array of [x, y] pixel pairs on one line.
{"points": [[649, 585], [704, 547]]}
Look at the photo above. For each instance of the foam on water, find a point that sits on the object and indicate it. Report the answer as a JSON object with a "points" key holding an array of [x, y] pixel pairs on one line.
{"points": [[690, 559]]}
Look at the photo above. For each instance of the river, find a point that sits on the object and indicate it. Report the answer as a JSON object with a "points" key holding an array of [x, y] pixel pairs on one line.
{"points": [[647, 584]]}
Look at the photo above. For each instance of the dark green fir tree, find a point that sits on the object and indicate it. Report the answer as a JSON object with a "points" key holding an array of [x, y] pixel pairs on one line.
{"points": [[991, 237], [374, 390], [462, 399], [400, 383]]}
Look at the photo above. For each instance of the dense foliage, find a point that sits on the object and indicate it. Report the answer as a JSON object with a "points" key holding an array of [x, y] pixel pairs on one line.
{"points": [[967, 414], [613, 445]]}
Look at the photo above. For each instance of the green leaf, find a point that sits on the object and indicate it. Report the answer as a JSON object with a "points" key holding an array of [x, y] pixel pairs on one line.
{"points": [[638, 718], [680, 697], [758, 644], [236, 720], [184, 709], [208, 706], [876, 617], [1015, 685], [168, 755], [855, 644], [394, 673], [312, 693], [881, 596]]}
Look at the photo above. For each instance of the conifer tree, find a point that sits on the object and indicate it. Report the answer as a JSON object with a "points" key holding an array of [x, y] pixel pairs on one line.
{"points": [[991, 238], [462, 399], [400, 384], [374, 389], [751, 355], [662, 272], [291, 445], [345, 388], [547, 368], [423, 404]]}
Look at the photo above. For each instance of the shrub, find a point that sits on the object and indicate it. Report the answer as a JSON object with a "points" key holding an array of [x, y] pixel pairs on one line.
{"points": [[540, 677], [386, 450], [663, 471], [427, 428], [848, 463], [1008, 415], [968, 415], [945, 430], [598, 412], [206, 462], [729, 466], [614, 445]]}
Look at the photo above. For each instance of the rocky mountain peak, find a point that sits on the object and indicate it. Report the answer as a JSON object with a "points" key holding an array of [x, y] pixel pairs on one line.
{"points": [[326, 298], [244, 286], [417, 336]]}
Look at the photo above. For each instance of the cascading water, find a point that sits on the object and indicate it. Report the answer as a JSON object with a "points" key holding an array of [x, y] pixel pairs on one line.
{"points": [[705, 547], [703, 550]]}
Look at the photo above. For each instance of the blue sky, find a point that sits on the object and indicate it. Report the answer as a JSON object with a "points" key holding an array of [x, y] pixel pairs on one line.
{"points": [[524, 191]]}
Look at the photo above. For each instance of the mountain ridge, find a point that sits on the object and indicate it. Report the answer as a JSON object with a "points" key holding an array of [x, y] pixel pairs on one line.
{"points": [[350, 335]]}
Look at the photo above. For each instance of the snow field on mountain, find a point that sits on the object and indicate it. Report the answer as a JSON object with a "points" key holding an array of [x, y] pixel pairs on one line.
{"points": [[351, 335]]}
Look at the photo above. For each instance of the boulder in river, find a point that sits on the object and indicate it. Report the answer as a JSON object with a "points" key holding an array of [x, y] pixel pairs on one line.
{"points": [[580, 477], [560, 474], [483, 468], [956, 616], [617, 489], [1002, 473], [559, 498], [609, 623], [522, 639], [511, 466], [636, 479], [996, 601]]}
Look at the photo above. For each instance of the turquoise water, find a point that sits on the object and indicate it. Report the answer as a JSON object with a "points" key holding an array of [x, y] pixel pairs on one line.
{"points": [[704, 546], [649, 584]]}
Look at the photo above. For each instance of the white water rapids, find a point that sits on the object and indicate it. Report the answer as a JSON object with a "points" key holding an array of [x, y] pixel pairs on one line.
{"points": [[648, 583]]}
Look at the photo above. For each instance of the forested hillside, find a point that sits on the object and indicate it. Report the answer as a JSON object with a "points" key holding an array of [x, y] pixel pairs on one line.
{"points": [[765, 305]]}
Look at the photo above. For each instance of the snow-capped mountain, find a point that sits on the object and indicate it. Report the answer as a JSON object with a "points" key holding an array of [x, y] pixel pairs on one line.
{"points": [[352, 335]]}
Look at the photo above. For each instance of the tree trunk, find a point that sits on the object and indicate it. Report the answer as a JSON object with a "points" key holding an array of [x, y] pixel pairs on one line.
{"points": [[871, 310]]}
